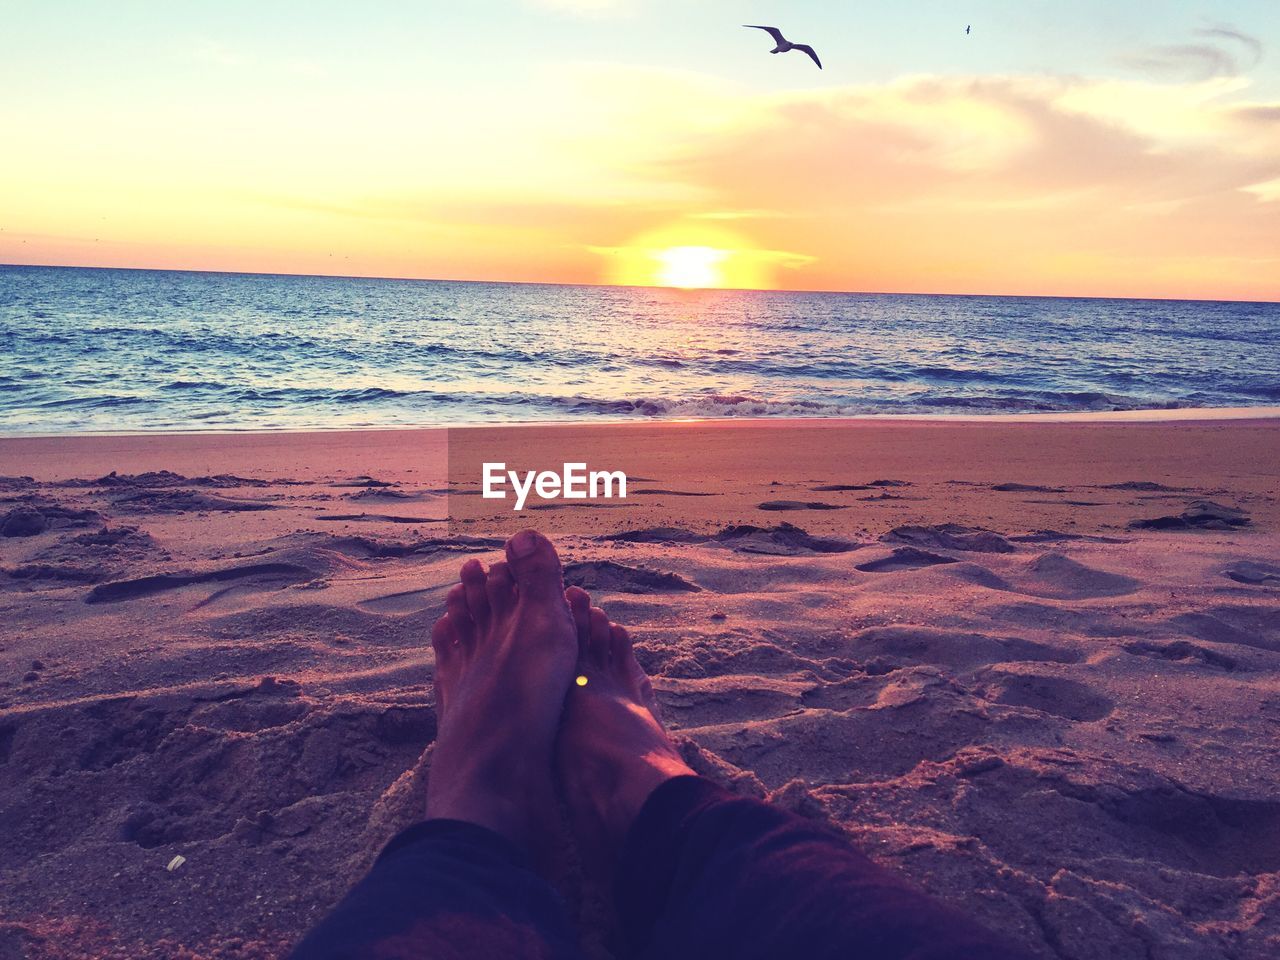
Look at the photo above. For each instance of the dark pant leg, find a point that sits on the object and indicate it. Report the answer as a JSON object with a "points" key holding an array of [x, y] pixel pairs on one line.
{"points": [[441, 890], [705, 874]]}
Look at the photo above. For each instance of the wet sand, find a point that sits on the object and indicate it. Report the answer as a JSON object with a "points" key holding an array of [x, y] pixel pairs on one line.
{"points": [[1022, 662]]}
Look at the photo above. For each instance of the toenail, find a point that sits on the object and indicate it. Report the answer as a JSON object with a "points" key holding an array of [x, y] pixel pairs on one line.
{"points": [[524, 543]]}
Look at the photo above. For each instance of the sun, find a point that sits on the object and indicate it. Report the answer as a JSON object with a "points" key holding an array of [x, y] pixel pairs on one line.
{"points": [[690, 268], [689, 256]]}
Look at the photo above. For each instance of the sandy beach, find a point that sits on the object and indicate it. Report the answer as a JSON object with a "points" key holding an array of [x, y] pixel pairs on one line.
{"points": [[1033, 665]]}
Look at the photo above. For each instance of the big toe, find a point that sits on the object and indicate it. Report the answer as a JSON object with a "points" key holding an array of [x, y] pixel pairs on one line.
{"points": [[535, 566]]}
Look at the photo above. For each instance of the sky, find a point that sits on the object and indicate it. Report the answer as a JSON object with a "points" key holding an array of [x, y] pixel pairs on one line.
{"points": [[1118, 148]]}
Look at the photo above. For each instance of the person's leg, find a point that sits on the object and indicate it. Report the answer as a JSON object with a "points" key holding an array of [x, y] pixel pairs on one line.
{"points": [[461, 884], [701, 873]]}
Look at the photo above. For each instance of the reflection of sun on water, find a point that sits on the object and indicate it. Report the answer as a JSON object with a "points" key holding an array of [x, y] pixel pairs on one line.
{"points": [[690, 267]]}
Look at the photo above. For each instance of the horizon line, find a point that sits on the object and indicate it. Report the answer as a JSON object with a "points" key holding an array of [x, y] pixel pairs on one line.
{"points": [[620, 286]]}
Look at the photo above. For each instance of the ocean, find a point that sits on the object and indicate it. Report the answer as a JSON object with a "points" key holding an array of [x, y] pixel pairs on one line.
{"points": [[90, 350]]}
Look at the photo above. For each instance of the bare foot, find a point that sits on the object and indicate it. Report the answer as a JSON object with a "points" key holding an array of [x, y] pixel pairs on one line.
{"points": [[612, 751], [505, 653]]}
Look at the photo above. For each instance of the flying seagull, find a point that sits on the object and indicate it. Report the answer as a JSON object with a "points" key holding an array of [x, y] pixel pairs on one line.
{"points": [[783, 44], [968, 28]]}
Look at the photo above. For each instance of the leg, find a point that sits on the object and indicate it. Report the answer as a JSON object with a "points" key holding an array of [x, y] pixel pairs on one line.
{"points": [[702, 873], [446, 889], [461, 884]]}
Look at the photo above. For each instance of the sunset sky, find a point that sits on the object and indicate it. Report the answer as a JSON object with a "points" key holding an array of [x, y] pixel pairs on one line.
{"points": [[1088, 148]]}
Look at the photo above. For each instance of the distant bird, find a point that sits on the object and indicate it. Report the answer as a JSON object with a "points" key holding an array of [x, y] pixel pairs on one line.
{"points": [[968, 28], [783, 44]]}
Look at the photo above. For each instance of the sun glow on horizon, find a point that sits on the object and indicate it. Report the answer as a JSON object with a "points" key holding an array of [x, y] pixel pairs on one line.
{"points": [[690, 256], [691, 268]]}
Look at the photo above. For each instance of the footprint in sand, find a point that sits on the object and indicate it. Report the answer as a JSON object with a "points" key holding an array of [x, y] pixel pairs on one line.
{"points": [[367, 482], [375, 518], [873, 485], [783, 540], [904, 558], [34, 518], [1254, 573], [1243, 626], [1180, 651], [1026, 488], [406, 601], [607, 576], [54, 573], [1223, 836], [272, 574], [1199, 515], [782, 505], [184, 501], [1088, 622], [1057, 576], [367, 548], [156, 479], [23, 522], [654, 535], [295, 565], [382, 495], [950, 536], [736, 698], [1058, 536], [953, 649], [1142, 486], [1054, 695]]}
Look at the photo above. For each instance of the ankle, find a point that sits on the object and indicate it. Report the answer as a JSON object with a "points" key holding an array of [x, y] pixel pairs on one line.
{"points": [[644, 775], [510, 818]]}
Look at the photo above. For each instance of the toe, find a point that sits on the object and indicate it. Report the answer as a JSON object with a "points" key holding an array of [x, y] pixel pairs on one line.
{"points": [[443, 640], [598, 641], [445, 643], [455, 602], [619, 643], [501, 589], [630, 670], [624, 660], [473, 580], [580, 606], [535, 566]]}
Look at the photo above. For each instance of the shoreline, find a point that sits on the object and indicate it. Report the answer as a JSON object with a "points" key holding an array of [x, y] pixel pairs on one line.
{"points": [[709, 473], [1146, 415]]}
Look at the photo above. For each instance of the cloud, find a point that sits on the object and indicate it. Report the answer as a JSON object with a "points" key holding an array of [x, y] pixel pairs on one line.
{"points": [[1251, 44], [757, 213], [1017, 184], [1268, 192], [1224, 51], [1197, 60]]}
